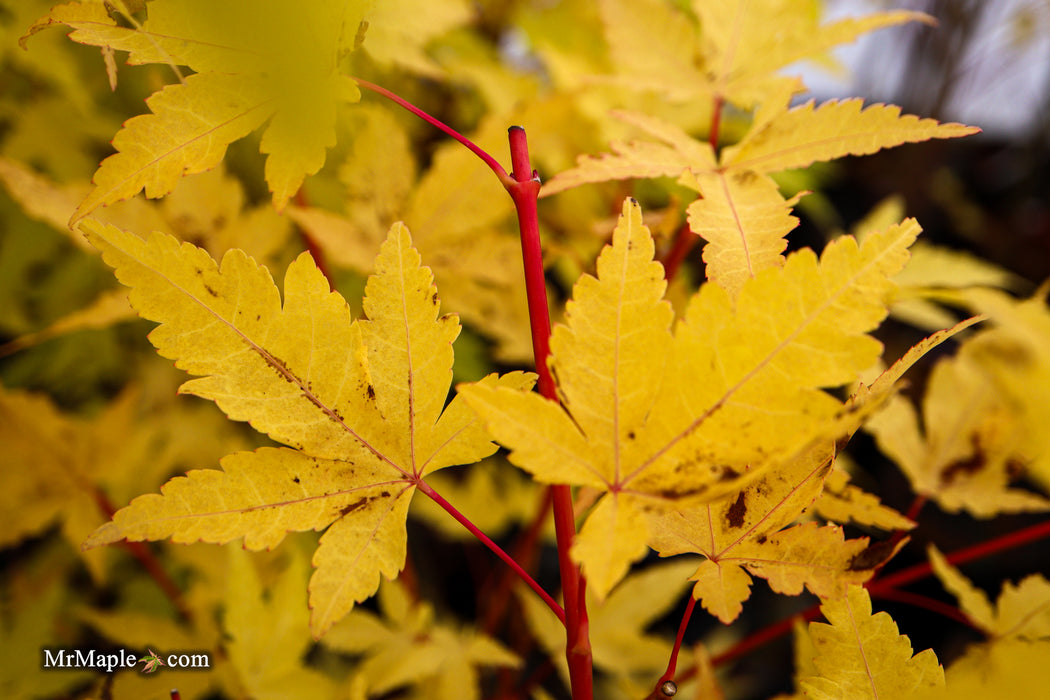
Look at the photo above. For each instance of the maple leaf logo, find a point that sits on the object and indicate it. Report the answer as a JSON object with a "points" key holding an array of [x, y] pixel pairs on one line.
{"points": [[152, 662]]}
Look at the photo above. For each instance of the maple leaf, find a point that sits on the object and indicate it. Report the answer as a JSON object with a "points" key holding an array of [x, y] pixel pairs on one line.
{"points": [[651, 418], [741, 213], [251, 67], [1016, 355], [359, 404], [742, 533], [733, 55], [55, 470], [477, 263], [1021, 612], [966, 453], [269, 635], [860, 655], [843, 502], [151, 662], [406, 646]]}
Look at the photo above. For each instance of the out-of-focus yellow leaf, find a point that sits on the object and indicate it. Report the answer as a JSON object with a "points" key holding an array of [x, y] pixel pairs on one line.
{"points": [[967, 451], [252, 67], [860, 656], [269, 635], [1022, 610], [406, 646]]}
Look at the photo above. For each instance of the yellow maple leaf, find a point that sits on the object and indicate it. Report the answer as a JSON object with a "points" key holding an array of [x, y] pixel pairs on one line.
{"points": [[970, 443], [861, 656], [278, 66], [651, 418], [359, 404], [741, 214], [1016, 355], [742, 533], [733, 55], [807, 134], [477, 261], [745, 222], [268, 635], [407, 646], [1011, 663], [56, 468], [1021, 612], [843, 502], [742, 56]]}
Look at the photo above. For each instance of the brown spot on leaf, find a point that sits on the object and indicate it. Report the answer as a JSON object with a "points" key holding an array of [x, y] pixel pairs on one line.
{"points": [[370, 390], [737, 511], [872, 556], [967, 466], [209, 290], [295, 479], [728, 474], [361, 503]]}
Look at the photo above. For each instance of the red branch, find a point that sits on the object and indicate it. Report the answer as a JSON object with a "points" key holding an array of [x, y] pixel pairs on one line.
{"points": [[524, 189]]}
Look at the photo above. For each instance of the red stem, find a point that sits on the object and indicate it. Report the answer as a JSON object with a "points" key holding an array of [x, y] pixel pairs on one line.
{"points": [[474, 148], [716, 120], [960, 556], [496, 549], [684, 241], [672, 663], [311, 245], [926, 603], [524, 189]]}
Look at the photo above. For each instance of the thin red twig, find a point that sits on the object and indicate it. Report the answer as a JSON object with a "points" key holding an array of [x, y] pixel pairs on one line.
{"points": [[433, 121], [496, 549], [672, 663], [684, 241], [960, 556]]}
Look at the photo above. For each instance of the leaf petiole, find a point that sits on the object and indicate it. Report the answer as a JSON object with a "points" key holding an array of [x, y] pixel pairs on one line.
{"points": [[496, 549], [437, 123]]}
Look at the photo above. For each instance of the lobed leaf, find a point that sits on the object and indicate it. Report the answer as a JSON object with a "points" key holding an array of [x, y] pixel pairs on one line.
{"points": [[359, 402], [806, 134], [860, 655], [654, 419], [745, 222]]}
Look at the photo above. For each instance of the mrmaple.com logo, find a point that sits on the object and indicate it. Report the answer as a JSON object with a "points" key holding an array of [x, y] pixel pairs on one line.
{"points": [[121, 659]]}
